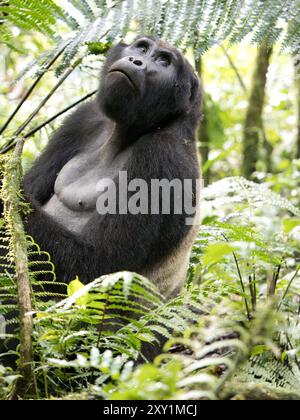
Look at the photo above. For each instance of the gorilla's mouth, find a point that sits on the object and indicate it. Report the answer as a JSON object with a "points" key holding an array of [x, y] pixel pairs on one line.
{"points": [[124, 74]]}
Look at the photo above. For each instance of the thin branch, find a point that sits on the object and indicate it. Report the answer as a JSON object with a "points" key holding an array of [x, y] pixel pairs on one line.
{"points": [[12, 142], [241, 281], [101, 326], [298, 315], [235, 69], [42, 125], [252, 286], [31, 89], [242, 285], [273, 283], [8, 146], [291, 347], [288, 288], [252, 291], [46, 99]]}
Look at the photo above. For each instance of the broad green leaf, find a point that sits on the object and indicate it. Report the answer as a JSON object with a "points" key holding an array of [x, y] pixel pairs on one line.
{"points": [[290, 224], [73, 287], [216, 252]]}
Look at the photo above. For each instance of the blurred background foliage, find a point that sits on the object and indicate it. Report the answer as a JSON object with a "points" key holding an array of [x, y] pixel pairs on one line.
{"points": [[244, 270], [227, 72]]}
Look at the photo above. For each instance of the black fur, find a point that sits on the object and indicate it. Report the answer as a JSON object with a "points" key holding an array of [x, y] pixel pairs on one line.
{"points": [[157, 118], [164, 147]]}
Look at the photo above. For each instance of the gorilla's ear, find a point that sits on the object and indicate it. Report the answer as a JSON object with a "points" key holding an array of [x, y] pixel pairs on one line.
{"points": [[195, 91], [113, 55], [115, 51], [121, 45]]}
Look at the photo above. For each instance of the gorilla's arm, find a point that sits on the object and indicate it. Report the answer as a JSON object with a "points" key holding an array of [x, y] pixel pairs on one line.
{"points": [[66, 142], [111, 242]]}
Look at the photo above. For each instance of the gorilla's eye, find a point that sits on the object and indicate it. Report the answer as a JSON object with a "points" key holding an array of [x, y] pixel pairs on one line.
{"points": [[142, 47], [164, 60]]}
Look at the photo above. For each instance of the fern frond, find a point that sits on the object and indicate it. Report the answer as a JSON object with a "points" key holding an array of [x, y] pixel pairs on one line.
{"points": [[200, 24], [266, 369], [238, 190], [33, 15]]}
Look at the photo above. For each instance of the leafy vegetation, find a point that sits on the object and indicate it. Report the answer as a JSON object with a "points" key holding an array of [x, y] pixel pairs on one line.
{"points": [[233, 333]]}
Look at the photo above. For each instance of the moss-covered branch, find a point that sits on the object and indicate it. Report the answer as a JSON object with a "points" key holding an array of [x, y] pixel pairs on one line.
{"points": [[18, 246]]}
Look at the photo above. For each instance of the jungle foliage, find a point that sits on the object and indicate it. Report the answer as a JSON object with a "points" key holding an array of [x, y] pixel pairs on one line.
{"points": [[233, 333]]}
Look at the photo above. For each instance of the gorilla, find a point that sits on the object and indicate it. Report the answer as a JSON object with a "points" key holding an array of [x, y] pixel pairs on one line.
{"points": [[143, 122]]}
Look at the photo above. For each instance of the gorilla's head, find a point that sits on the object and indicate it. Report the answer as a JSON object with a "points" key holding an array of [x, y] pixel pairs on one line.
{"points": [[147, 83]]}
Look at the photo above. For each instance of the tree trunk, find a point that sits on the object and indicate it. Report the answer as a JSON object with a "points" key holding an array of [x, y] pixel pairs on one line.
{"points": [[253, 127], [203, 134]]}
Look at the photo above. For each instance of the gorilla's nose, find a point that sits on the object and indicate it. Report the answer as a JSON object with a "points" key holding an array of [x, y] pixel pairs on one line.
{"points": [[137, 62]]}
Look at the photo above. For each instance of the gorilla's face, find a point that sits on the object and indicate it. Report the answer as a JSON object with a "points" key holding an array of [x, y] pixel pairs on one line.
{"points": [[146, 82]]}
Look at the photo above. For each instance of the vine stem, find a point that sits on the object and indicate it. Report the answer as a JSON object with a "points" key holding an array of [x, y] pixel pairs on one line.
{"points": [[47, 97], [288, 288], [235, 69], [12, 141], [31, 89], [40, 106], [242, 285], [241, 281], [273, 282], [58, 114], [101, 327], [49, 120]]}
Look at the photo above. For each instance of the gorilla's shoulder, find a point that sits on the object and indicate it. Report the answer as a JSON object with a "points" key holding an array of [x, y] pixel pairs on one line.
{"points": [[166, 153], [85, 118]]}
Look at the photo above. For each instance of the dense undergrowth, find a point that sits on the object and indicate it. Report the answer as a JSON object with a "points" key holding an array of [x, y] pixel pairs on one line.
{"points": [[233, 331]]}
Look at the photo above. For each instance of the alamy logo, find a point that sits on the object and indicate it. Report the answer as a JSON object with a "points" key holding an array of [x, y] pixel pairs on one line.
{"points": [[159, 196]]}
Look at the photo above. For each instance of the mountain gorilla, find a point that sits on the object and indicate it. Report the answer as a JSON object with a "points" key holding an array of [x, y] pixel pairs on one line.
{"points": [[143, 122]]}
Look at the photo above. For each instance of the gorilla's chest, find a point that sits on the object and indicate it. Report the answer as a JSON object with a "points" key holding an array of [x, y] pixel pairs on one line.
{"points": [[75, 189], [75, 185]]}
